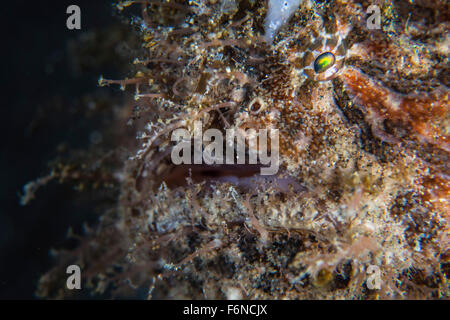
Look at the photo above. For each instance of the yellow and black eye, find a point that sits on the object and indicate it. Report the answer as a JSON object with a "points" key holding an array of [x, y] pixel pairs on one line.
{"points": [[324, 62]]}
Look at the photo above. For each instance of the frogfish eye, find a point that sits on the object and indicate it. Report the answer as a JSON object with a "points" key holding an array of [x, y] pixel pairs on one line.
{"points": [[324, 62]]}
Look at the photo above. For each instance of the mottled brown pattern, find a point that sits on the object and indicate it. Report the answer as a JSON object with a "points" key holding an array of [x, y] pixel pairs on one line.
{"points": [[364, 176]]}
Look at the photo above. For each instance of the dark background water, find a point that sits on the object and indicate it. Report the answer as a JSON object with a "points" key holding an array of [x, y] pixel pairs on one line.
{"points": [[37, 75]]}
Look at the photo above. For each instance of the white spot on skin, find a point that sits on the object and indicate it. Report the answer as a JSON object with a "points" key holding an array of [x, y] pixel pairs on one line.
{"points": [[394, 102], [233, 293], [278, 14]]}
